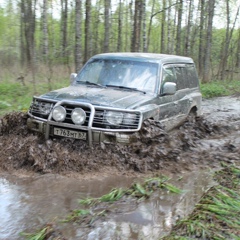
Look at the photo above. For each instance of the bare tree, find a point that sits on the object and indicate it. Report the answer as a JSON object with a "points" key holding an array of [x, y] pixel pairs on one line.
{"points": [[201, 37], [179, 27], [163, 21], [78, 35], [64, 30], [226, 43], [120, 16], [206, 70], [45, 29], [189, 29], [136, 35], [87, 29], [107, 4], [150, 24]]}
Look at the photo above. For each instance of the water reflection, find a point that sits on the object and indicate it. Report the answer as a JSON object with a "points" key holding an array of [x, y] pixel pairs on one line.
{"points": [[28, 202]]}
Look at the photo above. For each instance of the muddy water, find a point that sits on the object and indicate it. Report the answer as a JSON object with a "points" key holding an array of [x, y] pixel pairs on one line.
{"points": [[29, 202], [40, 182]]}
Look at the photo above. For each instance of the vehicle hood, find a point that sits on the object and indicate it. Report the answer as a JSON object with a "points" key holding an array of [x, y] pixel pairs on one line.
{"points": [[100, 96]]}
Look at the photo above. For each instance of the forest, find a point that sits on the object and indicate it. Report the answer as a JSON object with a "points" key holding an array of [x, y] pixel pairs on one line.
{"points": [[52, 38]]}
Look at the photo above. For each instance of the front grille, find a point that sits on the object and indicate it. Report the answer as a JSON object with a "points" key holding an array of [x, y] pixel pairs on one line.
{"points": [[99, 119], [37, 107]]}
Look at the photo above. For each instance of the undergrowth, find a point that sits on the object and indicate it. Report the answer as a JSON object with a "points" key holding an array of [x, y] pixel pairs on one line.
{"points": [[18, 97], [217, 215], [220, 88]]}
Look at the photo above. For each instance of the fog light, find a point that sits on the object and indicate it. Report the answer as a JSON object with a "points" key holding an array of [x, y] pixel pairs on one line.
{"points": [[78, 116], [59, 113]]}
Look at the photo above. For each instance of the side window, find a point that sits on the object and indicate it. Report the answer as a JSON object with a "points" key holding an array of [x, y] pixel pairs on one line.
{"points": [[191, 76], [168, 75], [181, 78]]}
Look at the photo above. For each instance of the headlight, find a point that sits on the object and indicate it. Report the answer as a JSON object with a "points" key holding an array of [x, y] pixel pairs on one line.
{"points": [[45, 108], [78, 116], [59, 113], [129, 118], [114, 118]]}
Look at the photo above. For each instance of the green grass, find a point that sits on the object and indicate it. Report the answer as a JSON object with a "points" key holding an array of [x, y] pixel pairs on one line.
{"points": [[217, 215], [16, 97], [137, 190], [220, 88], [38, 235]]}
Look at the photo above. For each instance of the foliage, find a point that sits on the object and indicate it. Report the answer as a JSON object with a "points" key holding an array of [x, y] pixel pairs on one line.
{"points": [[217, 215], [137, 190], [220, 88], [18, 97], [38, 235]]}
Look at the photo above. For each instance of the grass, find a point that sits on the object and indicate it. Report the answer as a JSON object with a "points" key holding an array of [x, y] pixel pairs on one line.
{"points": [[220, 88], [40, 234], [217, 215], [137, 190], [17, 97]]}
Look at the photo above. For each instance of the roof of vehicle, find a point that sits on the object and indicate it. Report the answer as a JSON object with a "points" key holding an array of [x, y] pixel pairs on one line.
{"points": [[148, 57]]}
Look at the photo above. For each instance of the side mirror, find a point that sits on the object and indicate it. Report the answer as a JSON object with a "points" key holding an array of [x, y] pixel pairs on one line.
{"points": [[169, 88], [72, 77]]}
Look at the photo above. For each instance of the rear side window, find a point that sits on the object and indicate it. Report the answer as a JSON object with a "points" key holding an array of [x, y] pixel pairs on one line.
{"points": [[184, 75]]}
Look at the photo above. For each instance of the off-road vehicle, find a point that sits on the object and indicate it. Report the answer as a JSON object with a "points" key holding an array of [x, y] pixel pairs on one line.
{"points": [[113, 94]]}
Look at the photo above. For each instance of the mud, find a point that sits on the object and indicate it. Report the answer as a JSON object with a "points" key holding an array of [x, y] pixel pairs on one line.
{"points": [[204, 141], [41, 180]]}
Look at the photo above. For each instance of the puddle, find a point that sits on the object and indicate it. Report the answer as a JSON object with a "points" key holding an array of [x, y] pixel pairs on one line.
{"points": [[29, 202]]}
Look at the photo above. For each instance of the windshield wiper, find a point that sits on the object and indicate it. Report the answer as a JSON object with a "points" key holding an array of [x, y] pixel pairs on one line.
{"points": [[129, 88], [92, 83]]}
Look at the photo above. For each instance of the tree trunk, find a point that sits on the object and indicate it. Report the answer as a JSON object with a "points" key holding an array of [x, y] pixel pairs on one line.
{"points": [[87, 49], [150, 25], [78, 35], [144, 26], [169, 28], [189, 29], [136, 35], [163, 20], [225, 50], [119, 38], [201, 38], [64, 24], [45, 29], [206, 70], [107, 4], [179, 28]]}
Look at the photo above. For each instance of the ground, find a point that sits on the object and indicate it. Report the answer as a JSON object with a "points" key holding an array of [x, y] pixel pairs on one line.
{"points": [[203, 143]]}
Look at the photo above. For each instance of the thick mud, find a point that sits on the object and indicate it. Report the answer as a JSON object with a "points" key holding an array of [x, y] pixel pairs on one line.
{"points": [[204, 141], [41, 180]]}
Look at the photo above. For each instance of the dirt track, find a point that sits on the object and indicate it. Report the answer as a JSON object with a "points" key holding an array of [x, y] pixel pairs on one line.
{"points": [[210, 139]]}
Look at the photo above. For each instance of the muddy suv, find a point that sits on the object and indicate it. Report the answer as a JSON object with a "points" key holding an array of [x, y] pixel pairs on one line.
{"points": [[113, 94]]}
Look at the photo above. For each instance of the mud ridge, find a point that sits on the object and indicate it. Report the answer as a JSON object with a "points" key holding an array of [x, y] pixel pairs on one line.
{"points": [[155, 149]]}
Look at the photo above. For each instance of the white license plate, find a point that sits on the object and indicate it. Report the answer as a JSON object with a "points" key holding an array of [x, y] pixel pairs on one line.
{"points": [[70, 133]]}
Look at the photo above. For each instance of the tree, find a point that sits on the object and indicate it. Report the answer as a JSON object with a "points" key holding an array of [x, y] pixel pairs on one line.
{"points": [[136, 33], [87, 30], [206, 75], [179, 27], [119, 41], [45, 29], [64, 30], [78, 35], [106, 25]]}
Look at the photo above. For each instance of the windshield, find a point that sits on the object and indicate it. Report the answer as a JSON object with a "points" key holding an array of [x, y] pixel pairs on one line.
{"points": [[131, 74]]}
